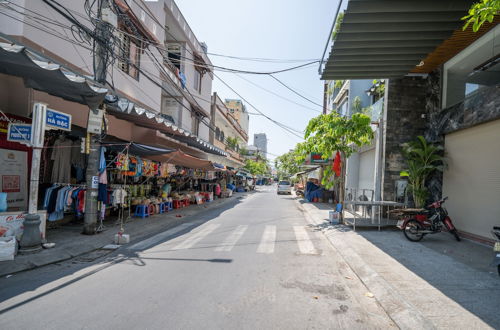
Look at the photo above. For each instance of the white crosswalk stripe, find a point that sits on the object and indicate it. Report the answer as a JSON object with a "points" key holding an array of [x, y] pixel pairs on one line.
{"points": [[195, 238], [159, 237], [268, 240], [232, 239], [303, 240]]}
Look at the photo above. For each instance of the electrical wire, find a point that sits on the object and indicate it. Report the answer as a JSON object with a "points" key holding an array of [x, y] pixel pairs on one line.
{"points": [[276, 94], [295, 92]]}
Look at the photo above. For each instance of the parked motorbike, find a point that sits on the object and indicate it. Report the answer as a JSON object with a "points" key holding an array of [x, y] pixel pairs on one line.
{"points": [[496, 248], [432, 220]]}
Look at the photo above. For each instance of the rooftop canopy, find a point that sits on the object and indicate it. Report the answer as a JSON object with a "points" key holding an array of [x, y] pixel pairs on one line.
{"points": [[389, 38]]}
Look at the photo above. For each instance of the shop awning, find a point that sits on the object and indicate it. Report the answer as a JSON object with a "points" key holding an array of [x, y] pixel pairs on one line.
{"points": [[182, 159], [138, 149], [387, 39], [127, 110], [41, 74]]}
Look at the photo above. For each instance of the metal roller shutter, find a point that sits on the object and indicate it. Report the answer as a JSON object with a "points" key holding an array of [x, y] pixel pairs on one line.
{"points": [[366, 169], [472, 179]]}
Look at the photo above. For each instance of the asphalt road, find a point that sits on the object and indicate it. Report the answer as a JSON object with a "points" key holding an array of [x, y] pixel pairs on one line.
{"points": [[256, 265]]}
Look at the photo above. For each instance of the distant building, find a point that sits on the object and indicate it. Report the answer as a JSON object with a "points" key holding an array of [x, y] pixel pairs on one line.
{"points": [[260, 141], [239, 112]]}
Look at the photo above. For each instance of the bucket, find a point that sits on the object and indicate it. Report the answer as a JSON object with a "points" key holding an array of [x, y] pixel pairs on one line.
{"points": [[333, 216]]}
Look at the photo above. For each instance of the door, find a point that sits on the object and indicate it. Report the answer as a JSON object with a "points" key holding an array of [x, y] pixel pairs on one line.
{"points": [[472, 179]]}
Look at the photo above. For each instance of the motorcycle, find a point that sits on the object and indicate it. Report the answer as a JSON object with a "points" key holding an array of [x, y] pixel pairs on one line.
{"points": [[432, 220], [496, 248]]}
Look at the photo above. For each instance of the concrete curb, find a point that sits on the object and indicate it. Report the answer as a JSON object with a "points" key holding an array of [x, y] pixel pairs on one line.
{"points": [[52, 257], [404, 315]]}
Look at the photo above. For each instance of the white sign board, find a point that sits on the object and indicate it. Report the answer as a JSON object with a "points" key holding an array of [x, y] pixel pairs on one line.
{"points": [[13, 178], [11, 223], [94, 124]]}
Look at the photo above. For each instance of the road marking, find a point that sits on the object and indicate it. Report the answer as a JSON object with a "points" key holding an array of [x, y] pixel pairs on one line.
{"points": [[195, 238], [159, 237], [268, 239], [303, 240], [232, 239]]}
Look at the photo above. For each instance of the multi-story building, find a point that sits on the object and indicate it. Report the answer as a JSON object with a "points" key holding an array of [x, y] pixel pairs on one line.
{"points": [[443, 85], [260, 141], [157, 83], [239, 112], [358, 96], [228, 134]]}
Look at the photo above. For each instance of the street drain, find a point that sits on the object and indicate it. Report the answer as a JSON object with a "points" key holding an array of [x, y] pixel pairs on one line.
{"points": [[92, 256]]}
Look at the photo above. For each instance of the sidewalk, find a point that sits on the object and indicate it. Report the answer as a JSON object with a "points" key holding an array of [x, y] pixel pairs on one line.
{"points": [[71, 243], [436, 283]]}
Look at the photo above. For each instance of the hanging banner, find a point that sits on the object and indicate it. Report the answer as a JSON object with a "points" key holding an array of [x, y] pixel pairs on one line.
{"points": [[13, 178], [57, 120]]}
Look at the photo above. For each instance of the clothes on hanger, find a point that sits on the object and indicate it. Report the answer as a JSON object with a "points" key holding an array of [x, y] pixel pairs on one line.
{"points": [[61, 155]]}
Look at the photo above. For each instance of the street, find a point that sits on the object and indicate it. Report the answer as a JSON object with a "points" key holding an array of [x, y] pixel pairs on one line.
{"points": [[257, 265]]}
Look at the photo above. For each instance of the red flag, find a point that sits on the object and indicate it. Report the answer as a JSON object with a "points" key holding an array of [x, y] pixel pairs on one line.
{"points": [[337, 164]]}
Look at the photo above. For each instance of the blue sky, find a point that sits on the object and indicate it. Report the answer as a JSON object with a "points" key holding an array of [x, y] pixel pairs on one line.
{"points": [[282, 29]]}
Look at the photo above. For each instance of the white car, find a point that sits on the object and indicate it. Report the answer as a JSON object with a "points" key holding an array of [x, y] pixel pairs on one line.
{"points": [[284, 187]]}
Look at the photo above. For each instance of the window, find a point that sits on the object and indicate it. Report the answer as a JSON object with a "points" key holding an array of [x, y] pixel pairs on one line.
{"points": [[174, 55], [222, 137], [197, 80], [217, 133], [475, 68], [129, 55], [195, 124]]}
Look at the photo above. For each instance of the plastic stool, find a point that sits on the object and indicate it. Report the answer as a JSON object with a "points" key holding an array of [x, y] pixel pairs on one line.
{"points": [[168, 206], [141, 211], [151, 209], [162, 208], [177, 204]]}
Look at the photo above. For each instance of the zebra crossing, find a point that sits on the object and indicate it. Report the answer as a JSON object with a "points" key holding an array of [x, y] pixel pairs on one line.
{"points": [[267, 243]]}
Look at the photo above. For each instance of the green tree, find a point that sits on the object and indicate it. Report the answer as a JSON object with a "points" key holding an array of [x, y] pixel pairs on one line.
{"points": [[480, 13], [256, 167], [327, 134], [288, 163], [357, 106], [423, 159], [232, 142], [338, 23]]}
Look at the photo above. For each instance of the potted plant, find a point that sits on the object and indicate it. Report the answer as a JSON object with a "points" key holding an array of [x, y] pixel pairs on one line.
{"points": [[423, 159]]}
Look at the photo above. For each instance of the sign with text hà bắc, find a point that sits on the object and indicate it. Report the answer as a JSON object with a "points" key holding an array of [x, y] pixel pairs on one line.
{"points": [[19, 133], [57, 120]]}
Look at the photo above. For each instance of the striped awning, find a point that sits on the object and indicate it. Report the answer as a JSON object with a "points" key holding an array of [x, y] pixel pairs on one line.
{"points": [[389, 38]]}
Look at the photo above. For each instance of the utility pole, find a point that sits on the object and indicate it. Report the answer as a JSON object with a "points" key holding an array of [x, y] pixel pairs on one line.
{"points": [[31, 240], [92, 173]]}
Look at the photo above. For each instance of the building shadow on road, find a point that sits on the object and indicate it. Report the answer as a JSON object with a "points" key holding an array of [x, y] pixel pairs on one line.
{"points": [[82, 267]]}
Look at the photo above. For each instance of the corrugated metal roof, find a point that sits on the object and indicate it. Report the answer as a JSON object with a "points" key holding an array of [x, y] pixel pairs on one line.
{"points": [[387, 39]]}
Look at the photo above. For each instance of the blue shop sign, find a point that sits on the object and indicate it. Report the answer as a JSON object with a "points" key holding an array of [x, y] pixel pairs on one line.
{"points": [[57, 120], [19, 133]]}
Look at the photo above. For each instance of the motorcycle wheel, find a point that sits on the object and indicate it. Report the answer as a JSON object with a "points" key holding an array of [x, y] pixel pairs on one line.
{"points": [[411, 231], [455, 233]]}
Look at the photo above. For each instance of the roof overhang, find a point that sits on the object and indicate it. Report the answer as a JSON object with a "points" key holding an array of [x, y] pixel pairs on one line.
{"points": [[42, 74], [388, 39]]}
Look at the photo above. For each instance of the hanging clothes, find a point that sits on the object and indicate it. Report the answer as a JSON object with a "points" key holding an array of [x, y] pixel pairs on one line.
{"points": [[61, 155]]}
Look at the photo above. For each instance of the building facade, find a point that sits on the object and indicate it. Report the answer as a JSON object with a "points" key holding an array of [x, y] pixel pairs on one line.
{"points": [[228, 134], [260, 141], [444, 85], [239, 112]]}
